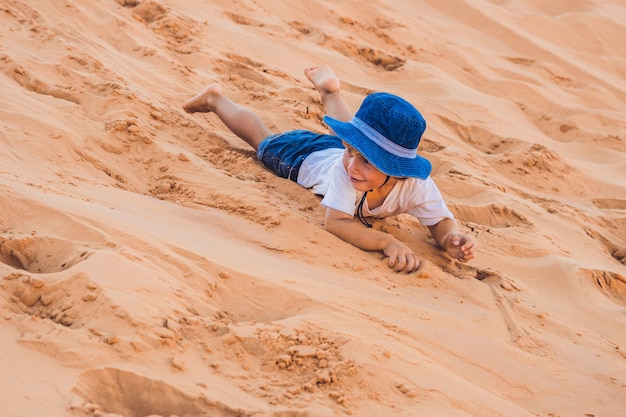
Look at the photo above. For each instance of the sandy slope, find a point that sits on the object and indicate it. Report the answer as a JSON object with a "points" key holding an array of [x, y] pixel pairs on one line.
{"points": [[151, 266]]}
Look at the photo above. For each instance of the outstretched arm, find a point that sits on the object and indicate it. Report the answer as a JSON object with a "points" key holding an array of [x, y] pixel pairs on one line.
{"points": [[458, 246], [346, 227]]}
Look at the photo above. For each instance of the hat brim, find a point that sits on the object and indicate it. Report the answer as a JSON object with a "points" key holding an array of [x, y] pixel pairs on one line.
{"points": [[384, 161]]}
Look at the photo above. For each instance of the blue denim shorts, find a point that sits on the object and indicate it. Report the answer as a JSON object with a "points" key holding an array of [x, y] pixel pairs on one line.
{"points": [[284, 153]]}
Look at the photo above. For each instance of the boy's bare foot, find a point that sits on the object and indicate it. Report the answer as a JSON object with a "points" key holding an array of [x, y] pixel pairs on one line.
{"points": [[323, 78], [203, 102]]}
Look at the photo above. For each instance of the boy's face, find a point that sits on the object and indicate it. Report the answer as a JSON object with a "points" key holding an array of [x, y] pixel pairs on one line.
{"points": [[363, 175]]}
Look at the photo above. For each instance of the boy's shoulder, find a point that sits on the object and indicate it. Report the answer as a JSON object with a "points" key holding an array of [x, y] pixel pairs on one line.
{"points": [[417, 186], [417, 182]]}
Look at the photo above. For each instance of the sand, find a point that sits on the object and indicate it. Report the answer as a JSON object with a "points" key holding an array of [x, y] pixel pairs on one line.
{"points": [[150, 266]]}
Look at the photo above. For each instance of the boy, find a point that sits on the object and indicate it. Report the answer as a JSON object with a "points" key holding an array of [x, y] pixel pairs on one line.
{"points": [[368, 167]]}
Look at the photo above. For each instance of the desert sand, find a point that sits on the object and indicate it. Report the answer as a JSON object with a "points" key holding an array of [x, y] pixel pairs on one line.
{"points": [[151, 266]]}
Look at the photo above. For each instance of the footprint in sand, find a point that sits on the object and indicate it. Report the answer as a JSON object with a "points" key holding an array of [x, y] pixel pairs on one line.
{"points": [[482, 139], [33, 83], [613, 242], [610, 203], [114, 391], [542, 169], [408, 391], [39, 254], [492, 215], [128, 3], [465, 271], [178, 31], [60, 301], [350, 49], [611, 284], [248, 299]]}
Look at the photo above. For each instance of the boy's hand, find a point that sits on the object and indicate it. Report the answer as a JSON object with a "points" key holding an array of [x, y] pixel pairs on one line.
{"points": [[460, 247], [401, 257]]}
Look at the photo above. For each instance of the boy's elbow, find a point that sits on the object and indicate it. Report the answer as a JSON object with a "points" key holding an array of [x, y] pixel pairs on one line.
{"points": [[330, 226], [337, 222], [334, 226]]}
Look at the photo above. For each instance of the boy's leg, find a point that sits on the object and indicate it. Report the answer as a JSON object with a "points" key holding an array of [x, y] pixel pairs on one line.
{"points": [[327, 84], [240, 120]]}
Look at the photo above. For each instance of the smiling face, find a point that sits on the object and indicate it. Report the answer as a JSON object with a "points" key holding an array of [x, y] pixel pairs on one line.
{"points": [[363, 175]]}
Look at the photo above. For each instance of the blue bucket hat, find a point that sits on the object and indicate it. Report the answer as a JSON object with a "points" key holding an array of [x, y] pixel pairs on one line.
{"points": [[386, 130]]}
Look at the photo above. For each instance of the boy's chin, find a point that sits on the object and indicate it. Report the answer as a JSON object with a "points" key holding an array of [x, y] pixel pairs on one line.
{"points": [[361, 186]]}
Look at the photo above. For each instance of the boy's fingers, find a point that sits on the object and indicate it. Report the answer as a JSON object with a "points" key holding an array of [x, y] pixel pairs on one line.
{"points": [[392, 261], [415, 266], [400, 264], [411, 263], [403, 262]]}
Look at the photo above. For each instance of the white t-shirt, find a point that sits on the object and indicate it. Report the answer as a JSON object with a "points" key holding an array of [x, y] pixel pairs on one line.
{"points": [[323, 173]]}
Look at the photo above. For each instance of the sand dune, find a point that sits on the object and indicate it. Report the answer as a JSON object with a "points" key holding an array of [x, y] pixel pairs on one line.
{"points": [[150, 266]]}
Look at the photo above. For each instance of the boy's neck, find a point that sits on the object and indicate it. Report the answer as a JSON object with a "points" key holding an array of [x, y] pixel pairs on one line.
{"points": [[376, 196]]}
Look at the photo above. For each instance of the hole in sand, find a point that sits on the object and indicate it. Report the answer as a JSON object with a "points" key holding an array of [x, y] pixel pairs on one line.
{"points": [[128, 394], [39, 255]]}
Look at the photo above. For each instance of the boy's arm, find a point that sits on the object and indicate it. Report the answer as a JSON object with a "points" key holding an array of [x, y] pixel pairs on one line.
{"points": [[346, 227], [458, 246]]}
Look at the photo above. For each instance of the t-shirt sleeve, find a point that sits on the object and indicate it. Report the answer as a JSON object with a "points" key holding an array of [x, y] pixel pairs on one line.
{"points": [[430, 208], [340, 195]]}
